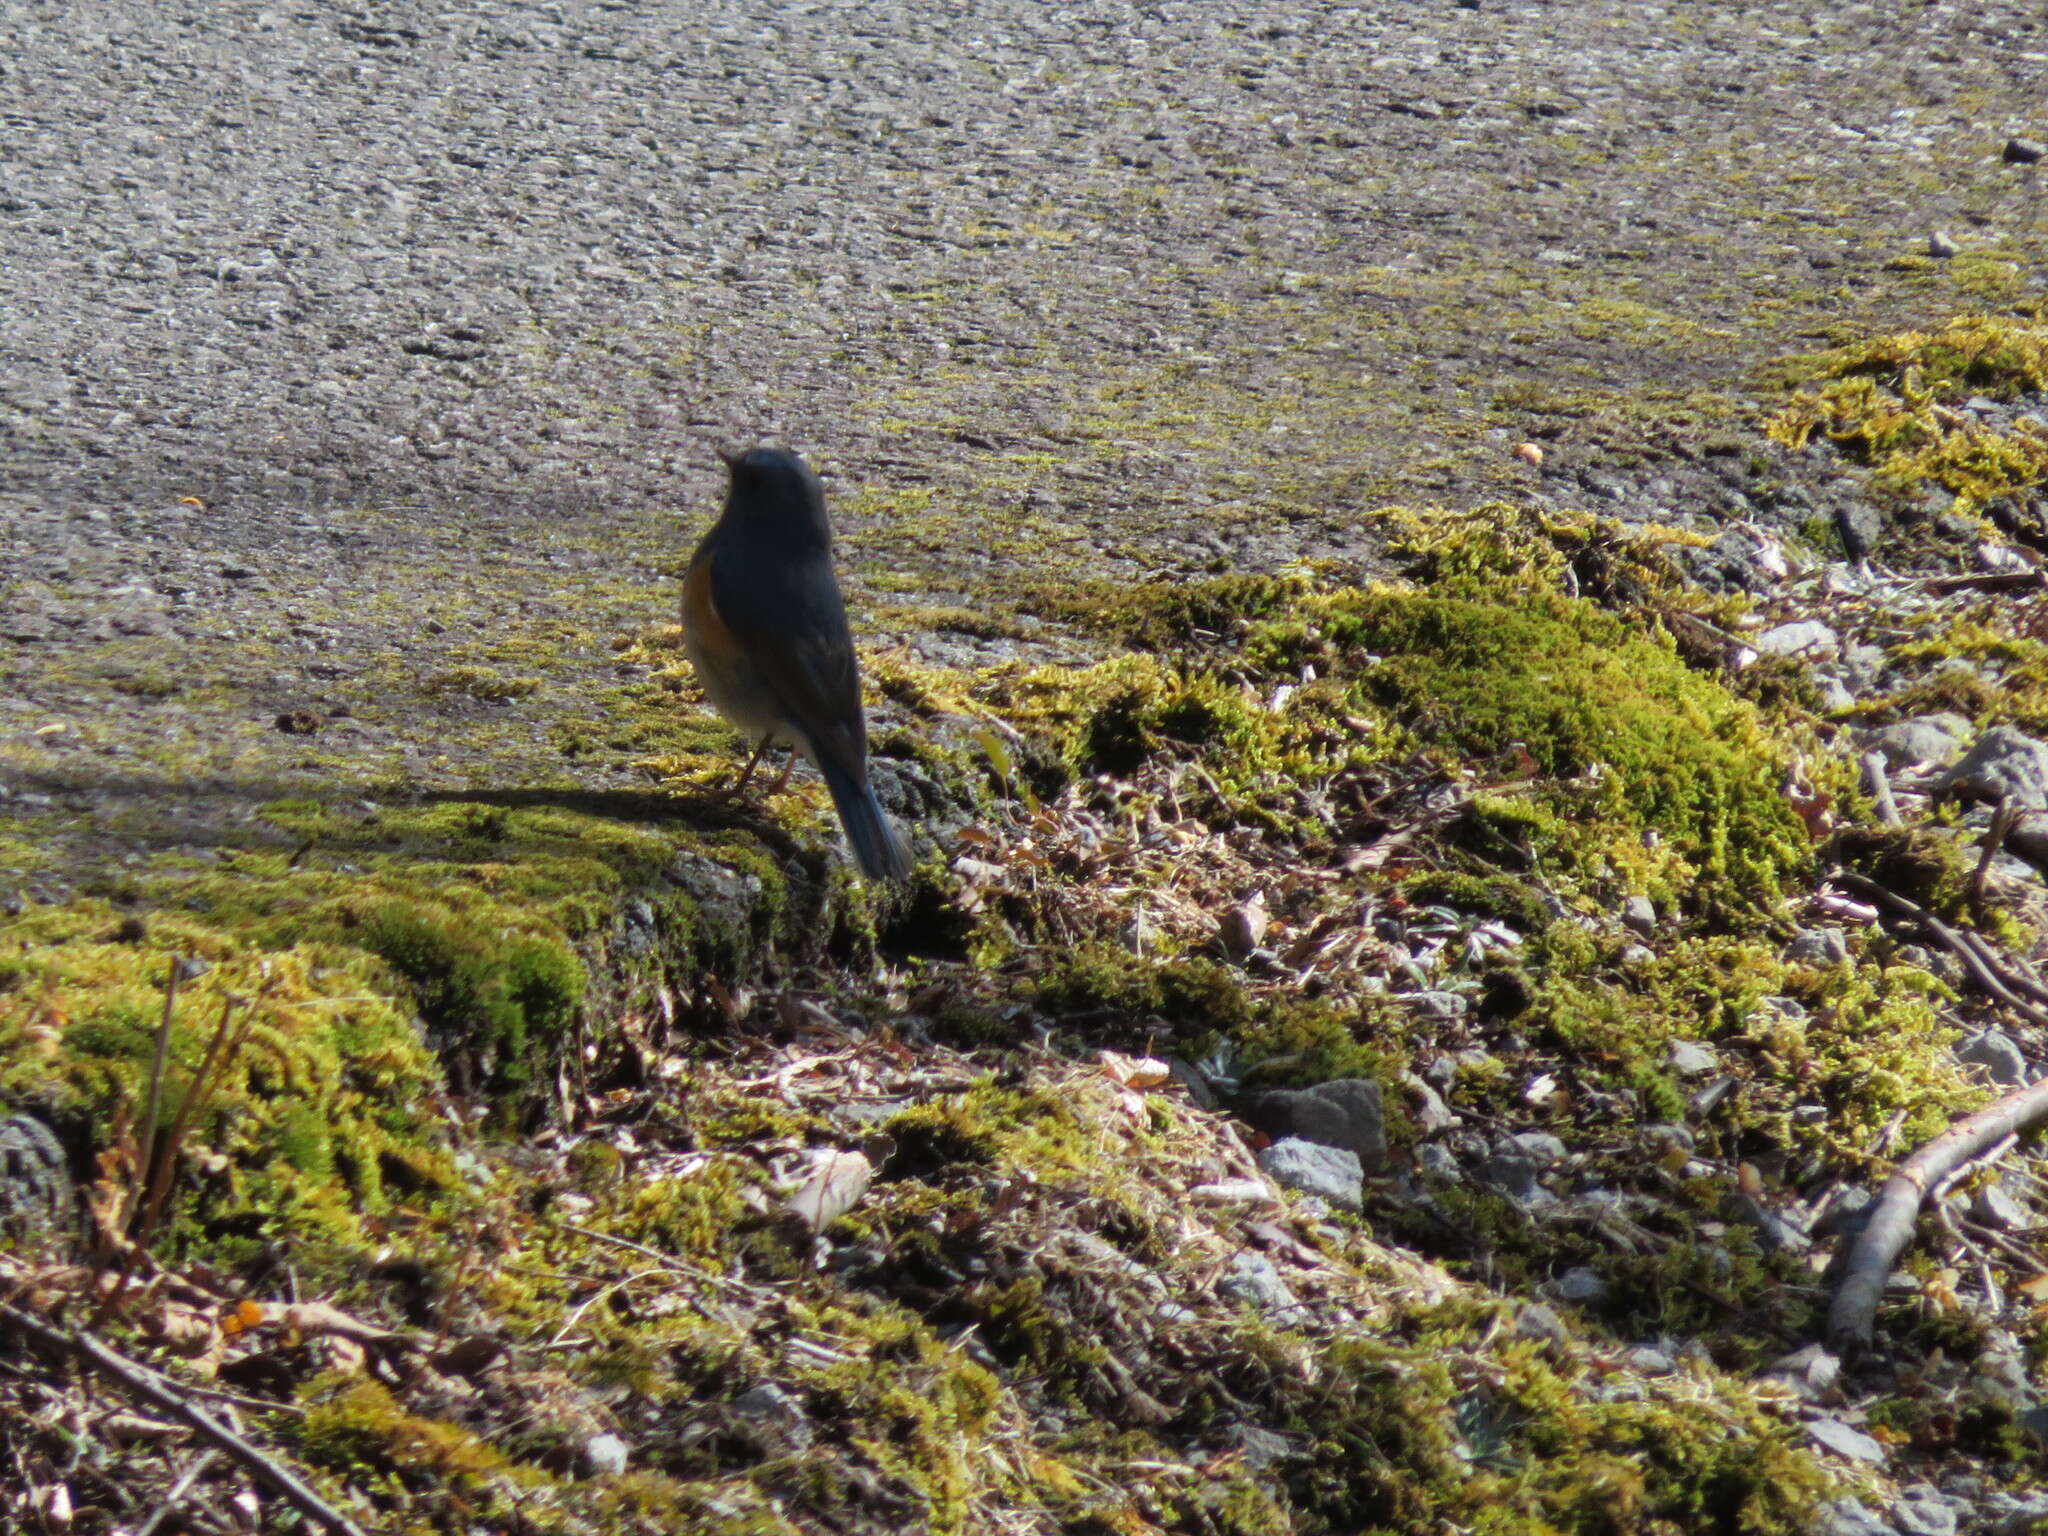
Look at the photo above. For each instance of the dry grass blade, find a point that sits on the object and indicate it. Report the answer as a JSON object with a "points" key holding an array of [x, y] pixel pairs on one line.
{"points": [[142, 1173], [221, 1049]]}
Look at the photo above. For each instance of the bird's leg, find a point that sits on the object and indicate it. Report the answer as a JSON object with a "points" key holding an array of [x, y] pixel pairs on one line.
{"points": [[731, 791], [783, 778]]}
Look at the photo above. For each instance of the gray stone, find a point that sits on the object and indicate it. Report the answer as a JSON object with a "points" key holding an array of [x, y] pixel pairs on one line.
{"points": [[1544, 1149], [1536, 1321], [1333, 1173], [1993, 1053], [1847, 1517], [1640, 913], [1689, 1058], [1708, 1098], [1774, 1233], [35, 1181], [1346, 1112], [1667, 1137], [1846, 1214], [605, 1456], [1818, 947], [1581, 1286], [1254, 1280], [1437, 1005], [2019, 151], [1810, 1371], [1844, 1440], [1995, 1206], [1806, 638], [1921, 1510], [770, 1417], [1941, 245], [1863, 665], [1859, 526], [1426, 1107], [1439, 1162], [2001, 1371], [1515, 1177], [1260, 1448], [2004, 765]]}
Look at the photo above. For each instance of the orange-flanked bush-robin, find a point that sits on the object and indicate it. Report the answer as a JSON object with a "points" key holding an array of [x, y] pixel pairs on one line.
{"points": [[766, 628]]}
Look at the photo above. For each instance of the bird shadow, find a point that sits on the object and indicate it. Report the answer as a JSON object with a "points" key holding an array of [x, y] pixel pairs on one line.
{"points": [[97, 816]]}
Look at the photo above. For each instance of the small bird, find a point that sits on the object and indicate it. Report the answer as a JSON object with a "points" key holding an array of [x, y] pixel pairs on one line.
{"points": [[765, 626]]}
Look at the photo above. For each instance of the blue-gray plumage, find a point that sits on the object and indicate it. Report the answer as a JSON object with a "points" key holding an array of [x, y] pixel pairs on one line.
{"points": [[765, 626]]}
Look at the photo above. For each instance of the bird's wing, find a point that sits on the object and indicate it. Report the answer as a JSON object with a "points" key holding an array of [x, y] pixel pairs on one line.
{"points": [[791, 623]]}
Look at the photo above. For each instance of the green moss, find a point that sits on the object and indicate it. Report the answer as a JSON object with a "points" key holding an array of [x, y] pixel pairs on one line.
{"points": [[506, 995], [355, 1426], [1887, 401], [1630, 739], [1198, 994], [1526, 547], [329, 1092], [482, 684]]}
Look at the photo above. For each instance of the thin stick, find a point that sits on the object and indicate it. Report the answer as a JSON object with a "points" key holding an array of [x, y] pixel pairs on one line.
{"points": [[145, 1160], [1853, 1315], [1975, 957], [1879, 783], [669, 1261], [2018, 975], [178, 1489], [2003, 821], [219, 1051], [161, 1169], [143, 1383]]}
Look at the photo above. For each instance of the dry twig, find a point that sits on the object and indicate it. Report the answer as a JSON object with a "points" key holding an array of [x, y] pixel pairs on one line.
{"points": [[141, 1382], [1851, 1318]]}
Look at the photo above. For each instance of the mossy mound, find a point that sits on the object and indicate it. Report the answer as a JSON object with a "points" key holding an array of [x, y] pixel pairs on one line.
{"points": [[1416, 797], [323, 1116], [1614, 762], [392, 958], [1891, 403]]}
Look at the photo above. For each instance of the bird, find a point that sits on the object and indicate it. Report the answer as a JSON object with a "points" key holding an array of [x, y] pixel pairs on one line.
{"points": [[765, 626]]}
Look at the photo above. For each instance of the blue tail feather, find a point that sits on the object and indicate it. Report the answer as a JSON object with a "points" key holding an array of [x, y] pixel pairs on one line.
{"points": [[878, 848]]}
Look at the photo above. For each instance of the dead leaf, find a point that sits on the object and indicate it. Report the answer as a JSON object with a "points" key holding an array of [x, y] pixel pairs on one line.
{"points": [[1134, 1071], [1243, 928], [837, 1181]]}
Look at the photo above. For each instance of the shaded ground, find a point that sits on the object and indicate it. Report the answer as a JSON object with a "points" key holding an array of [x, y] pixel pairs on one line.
{"points": [[360, 376]]}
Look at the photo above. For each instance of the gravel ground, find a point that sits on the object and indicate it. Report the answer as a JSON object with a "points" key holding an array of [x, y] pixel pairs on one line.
{"points": [[336, 346]]}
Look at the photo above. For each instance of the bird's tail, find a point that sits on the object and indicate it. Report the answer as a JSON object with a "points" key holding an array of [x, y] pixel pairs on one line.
{"points": [[878, 848]]}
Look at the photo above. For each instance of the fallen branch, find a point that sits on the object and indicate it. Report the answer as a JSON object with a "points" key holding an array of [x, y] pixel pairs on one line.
{"points": [[1885, 1235], [141, 1382], [1854, 1311]]}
